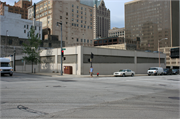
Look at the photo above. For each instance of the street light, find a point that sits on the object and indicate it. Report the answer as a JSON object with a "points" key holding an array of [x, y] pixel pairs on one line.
{"points": [[158, 48], [60, 23]]}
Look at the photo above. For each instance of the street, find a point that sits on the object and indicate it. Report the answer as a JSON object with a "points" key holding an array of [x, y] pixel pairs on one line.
{"points": [[140, 97]]}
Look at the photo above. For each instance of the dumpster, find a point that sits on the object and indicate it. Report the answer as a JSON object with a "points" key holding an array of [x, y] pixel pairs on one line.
{"points": [[67, 69]]}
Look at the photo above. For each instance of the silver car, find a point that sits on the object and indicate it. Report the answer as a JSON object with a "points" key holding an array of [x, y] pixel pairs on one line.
{"points": [[124, 72]]}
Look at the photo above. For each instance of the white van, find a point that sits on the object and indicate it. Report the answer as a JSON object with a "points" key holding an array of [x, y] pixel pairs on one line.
{"points": [[155, 71], [5, 67]]}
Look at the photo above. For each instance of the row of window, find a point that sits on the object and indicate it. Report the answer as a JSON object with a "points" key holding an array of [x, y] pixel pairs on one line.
{"points": [[27, 26], [88, 41], [82, 8], [81, 12], [73, 24]]}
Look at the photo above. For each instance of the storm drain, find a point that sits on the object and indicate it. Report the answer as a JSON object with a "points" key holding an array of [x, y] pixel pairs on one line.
{"points": [[174, 98], [56, 86], [162, 84]]}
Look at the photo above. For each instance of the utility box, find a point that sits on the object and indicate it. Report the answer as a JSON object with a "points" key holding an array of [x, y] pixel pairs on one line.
{"points": [[67, 69]]}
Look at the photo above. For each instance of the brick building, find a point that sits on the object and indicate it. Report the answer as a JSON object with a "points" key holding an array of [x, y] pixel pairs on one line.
{"points": [[19, 8]]}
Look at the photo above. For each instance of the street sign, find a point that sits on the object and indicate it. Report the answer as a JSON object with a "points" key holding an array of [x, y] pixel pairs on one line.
{"points": [[63, 48], [22, 61]]}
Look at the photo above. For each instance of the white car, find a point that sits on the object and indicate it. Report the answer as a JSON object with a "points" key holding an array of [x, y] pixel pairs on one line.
{"points": [[124, 72]]}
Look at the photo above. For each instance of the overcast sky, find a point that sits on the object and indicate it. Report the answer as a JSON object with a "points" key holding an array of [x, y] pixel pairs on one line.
{"points": [[116, 8]]}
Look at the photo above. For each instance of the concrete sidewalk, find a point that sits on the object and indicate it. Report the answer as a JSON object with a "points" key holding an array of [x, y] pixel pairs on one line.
{"points": [[69, 75]]}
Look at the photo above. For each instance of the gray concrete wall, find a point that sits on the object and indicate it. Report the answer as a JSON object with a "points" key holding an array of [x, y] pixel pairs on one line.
{"points": [[105, 62]]}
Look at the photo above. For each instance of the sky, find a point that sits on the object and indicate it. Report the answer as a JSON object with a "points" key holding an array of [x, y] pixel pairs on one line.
{"points": [[116, 8]]}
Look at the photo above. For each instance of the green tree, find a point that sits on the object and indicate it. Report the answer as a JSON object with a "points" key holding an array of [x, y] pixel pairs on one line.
{"points": [[32, 48]]}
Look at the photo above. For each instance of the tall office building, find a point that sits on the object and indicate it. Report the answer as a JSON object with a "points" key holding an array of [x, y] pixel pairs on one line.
{"points": [[19, 7], [152, 22], [81, 23]]}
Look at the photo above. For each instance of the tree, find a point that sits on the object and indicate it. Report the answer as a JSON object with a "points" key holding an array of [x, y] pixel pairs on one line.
{"points": [[32, 48]]}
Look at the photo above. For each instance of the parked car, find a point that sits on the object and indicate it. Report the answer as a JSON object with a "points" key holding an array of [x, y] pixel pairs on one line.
{"points": [[167, 71], [155, 71], [5, 67], [175, 71], [124, 72]]}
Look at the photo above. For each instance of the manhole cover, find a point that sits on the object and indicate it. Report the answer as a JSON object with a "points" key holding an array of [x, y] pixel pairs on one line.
{"points": [[174, 79], [175, 98]]}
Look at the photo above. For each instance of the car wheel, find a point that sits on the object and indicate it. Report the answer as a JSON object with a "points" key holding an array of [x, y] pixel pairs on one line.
{"points": [[10, 74], [132, 74], [123, 75], [149, 74]]}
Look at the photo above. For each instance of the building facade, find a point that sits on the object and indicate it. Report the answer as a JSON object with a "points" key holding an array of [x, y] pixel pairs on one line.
{"points": [[170, 62], [152, 21], [120, 32], [13, 25], [117, 43], [19, 8], [77, 19]]}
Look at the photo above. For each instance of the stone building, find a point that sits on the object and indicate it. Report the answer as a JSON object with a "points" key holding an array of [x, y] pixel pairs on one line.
{"points": [[19, 8], [120, 32], [152, 21], [80, 20]]}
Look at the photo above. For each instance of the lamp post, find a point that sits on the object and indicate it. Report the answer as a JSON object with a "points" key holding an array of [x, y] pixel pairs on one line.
{"points": [[60, 23], [158, 48], [14, 59], [6, 43]]}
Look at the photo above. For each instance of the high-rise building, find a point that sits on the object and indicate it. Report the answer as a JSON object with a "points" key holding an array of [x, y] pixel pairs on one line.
{"points": [[152, 22], [19, 8], [81, 22]]}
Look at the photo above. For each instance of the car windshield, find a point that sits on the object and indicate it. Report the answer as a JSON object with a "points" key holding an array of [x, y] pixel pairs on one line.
{"points": [[121, 70], [4, 64], [165, 69], [152, 68]]}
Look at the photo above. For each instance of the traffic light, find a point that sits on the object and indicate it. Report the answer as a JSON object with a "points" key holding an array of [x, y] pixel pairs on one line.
{"points": [[62, 53], [88, 60], [92, 55]]}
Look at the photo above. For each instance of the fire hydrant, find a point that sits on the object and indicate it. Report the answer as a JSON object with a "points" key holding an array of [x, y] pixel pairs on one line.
{"points": [[97, 74]]}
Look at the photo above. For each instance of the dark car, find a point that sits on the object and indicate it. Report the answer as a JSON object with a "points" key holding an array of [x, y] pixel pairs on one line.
{"points": [[175, 71], [167, 71]]}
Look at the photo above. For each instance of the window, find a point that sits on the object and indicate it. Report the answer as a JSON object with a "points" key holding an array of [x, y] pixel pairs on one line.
{"points": [[77, 39], [81, 17], [84, 26], [50, 45], [81, 40], [72, 15], [72, 5], [60, 17], [77, 7], [77, 16], [87, 41], [81, 26], [81, 12], [77, 25], [72, 19], [84, 40], [27, 26], [24, 26], [81, 8], [81, 21], [77, 20], [77, 11], [72, 10], [20, 42], [72, 24], [35, 26], [66, 13], [10, 42]]}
